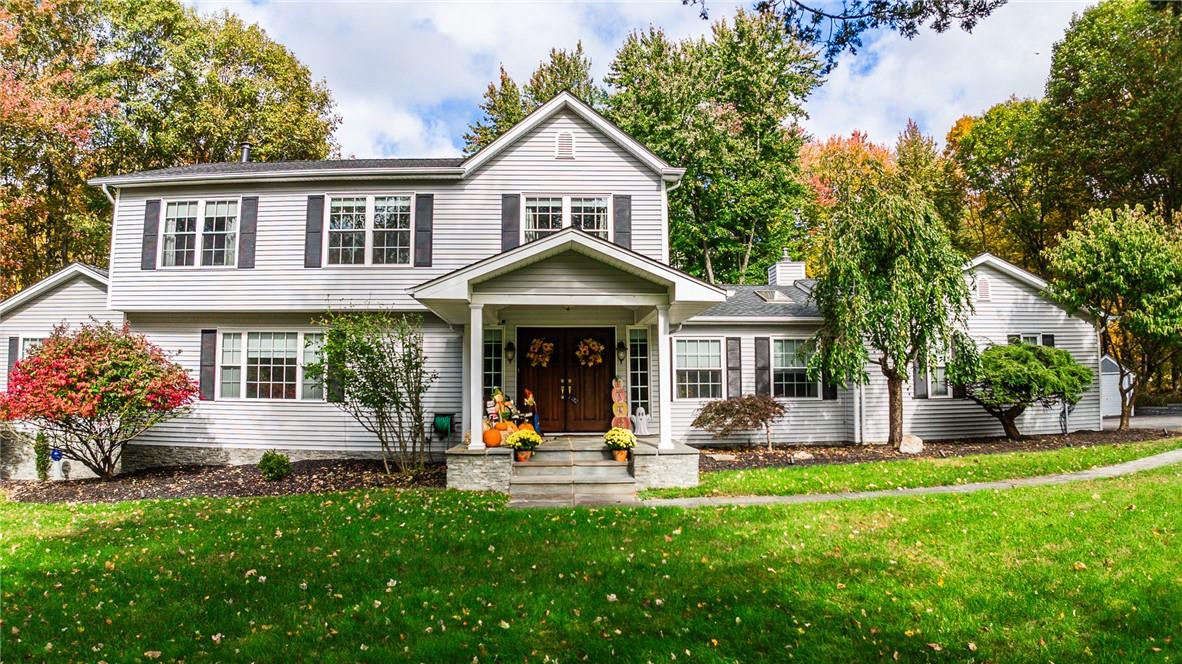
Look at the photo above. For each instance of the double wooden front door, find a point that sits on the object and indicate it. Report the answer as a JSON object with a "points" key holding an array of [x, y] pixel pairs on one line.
{"points": [[570, 395]]}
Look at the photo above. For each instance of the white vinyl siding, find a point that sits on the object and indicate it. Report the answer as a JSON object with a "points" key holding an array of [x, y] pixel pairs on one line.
{"points": [[699, 368], [790, 370], [466, 228]]}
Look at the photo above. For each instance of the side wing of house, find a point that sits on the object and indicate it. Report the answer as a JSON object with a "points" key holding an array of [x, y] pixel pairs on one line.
{"points": [[1006, 306], [76, 295]]}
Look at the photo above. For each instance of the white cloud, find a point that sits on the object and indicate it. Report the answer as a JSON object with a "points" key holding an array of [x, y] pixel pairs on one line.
{"points": [[937, 78], [407, 76]]}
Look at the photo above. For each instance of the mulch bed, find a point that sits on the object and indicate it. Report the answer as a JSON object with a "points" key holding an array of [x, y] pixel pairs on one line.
{"points": [[222, 481], [760, 457]]}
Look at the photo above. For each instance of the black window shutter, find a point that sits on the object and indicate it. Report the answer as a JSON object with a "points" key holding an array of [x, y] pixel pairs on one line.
{"points": [[734, 366], [1048, 340], [424, 223], [510, 220], [919, 380], [763, 366], [622, 211], [828, 388], [14, 349], [247, 231], [151, 235], [313, 232], [209, 347]]}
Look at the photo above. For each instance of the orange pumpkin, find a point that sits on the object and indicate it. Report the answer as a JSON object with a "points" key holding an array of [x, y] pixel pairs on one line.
{"points": [[492, 438], [525, 426], [502, 426]]}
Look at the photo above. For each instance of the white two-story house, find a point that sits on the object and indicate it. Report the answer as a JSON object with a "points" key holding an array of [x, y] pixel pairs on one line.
{"points": [[556, 233]]}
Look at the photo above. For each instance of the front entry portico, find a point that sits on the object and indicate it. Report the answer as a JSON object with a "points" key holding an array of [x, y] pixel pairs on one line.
{"points": [[566, 288]]}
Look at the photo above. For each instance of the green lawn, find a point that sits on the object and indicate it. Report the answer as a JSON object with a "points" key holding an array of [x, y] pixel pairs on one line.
{"points": [[1087, 571], [880, 475]]}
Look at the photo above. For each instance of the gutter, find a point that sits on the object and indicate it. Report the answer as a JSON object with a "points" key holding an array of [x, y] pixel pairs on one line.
{"points": [[280, 176]]}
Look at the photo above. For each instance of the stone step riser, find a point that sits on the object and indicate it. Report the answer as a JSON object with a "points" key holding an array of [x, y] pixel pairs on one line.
{"points": [[574, 473]]}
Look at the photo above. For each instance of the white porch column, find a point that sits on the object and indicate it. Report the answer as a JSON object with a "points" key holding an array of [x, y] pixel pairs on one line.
{"points": [[665, 379], [475, 407]]}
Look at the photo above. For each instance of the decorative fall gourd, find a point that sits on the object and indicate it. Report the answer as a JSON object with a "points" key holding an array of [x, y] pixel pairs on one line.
{"points": [[492, 438], [525, 426], [502, 426]]}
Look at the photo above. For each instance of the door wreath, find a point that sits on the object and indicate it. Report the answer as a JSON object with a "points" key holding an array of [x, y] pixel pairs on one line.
{"points": [[539, 352], [590, 352]]}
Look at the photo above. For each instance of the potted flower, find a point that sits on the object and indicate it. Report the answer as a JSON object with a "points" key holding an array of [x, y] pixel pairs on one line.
{"points": [[523, 442], [619, 440]]}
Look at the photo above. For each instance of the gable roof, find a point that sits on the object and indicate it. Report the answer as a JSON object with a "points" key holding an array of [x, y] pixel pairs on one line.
{"points": [[1006, 267], [52, 281], [565, 101], [448, 168]]}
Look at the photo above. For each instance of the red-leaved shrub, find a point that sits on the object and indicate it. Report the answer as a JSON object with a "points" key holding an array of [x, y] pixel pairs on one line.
{"points": [[93, 389]]}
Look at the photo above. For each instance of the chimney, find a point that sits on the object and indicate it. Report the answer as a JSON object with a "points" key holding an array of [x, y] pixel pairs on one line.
{"points": [[785, 271], [245, 152]]}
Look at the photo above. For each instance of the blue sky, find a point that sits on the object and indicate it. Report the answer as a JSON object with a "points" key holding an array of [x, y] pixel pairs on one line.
{"points": [[408, 76]]}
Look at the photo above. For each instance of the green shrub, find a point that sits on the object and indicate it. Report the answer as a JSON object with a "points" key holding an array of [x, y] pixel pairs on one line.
{"points": [[274, 466], [41, 454]]}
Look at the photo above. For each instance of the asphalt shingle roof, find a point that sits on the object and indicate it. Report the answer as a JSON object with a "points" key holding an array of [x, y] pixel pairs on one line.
{"points": [[745, 301], [252, 167]]}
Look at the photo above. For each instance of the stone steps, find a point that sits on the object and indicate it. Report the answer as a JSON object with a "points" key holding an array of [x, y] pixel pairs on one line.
{"points": [[568, 472]]}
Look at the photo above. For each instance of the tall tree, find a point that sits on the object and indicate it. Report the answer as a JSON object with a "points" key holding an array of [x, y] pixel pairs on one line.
{"points": [[1114, 103], [922, 167], [502, 107], [126, 85], [1124, 267], [837, 29], [891, 286], [1019, 209], [505, 103], [725, 110]]}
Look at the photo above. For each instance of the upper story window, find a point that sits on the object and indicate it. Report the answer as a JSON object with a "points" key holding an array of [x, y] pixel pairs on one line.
{"points": [[790, 379], [546, 215], [369, 230], [698, 368], [214, 243]]}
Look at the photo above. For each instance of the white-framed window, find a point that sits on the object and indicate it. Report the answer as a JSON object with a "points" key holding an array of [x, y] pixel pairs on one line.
{"points": [[638, 368], [369, 229], [1032, 338], [391, 230], [219, 233], [938, 387], [698, 368], [790, 379], [546, 214], [29, 346], [199, 232], [268, 365], [179, 248], [346, 230], [493, 360]]}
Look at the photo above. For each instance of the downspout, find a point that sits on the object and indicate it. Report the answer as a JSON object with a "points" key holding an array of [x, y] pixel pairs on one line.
{"points": [[107, 193]]}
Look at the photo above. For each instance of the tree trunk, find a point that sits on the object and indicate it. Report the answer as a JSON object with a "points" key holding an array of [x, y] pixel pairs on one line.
{"points": [[1009, 422], [895, 390], [1126, 397], [706, 260]]}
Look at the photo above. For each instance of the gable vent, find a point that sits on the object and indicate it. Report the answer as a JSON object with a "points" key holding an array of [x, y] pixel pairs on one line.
{"points": [[564, 145], [983, 289]]}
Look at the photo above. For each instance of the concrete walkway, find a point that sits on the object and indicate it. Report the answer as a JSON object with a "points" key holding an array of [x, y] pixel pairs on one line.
{"points": [[1104, 472], [1171, 423]]}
